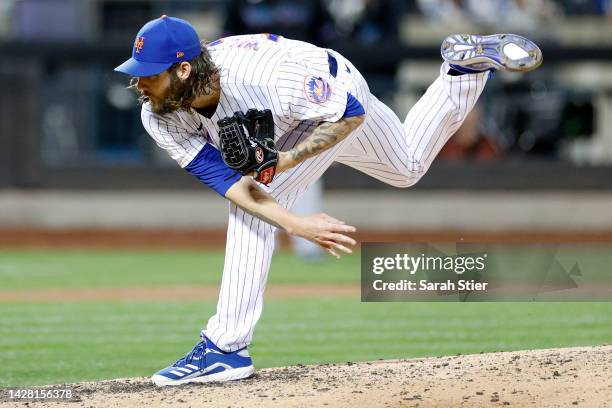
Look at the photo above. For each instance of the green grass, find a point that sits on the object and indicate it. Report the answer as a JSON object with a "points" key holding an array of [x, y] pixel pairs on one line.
{"points": [[42, 343], [65, 342], [74, 269]]}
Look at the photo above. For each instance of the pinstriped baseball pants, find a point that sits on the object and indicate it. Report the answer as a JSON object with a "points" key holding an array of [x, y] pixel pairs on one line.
{"points": [[395, 152]]}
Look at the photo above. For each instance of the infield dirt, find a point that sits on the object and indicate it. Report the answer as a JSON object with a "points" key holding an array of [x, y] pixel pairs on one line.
{"points": [[569, 377]]}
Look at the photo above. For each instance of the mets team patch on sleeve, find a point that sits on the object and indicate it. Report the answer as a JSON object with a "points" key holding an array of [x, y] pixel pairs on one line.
{"points": [[316, 89]]}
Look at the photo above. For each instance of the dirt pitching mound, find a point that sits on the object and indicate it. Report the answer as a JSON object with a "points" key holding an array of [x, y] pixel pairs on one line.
{"points": [[570, 377]]}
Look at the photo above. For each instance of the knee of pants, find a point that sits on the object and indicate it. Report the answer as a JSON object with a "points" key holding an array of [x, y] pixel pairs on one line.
{"points": [[411, 174], [407, 180]]}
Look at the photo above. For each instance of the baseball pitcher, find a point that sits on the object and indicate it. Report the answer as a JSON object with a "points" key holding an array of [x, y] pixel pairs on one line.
{"points": [[259, 118]]}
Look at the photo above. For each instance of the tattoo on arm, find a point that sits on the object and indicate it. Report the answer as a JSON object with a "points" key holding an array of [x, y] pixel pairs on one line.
{"points": [[324, 136]]}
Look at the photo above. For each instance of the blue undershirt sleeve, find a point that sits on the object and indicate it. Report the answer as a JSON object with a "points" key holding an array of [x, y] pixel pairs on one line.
{"points": [[353, 107], [209, 168]]}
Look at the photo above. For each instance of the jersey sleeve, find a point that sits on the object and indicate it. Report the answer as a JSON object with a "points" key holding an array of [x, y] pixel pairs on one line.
{"points": [[209, 168], [180, 140], [311, 92], [353, 107], [185, 143]]}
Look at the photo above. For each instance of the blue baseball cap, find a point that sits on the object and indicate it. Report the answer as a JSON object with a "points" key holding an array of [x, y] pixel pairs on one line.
{"points": [[159, 44]]}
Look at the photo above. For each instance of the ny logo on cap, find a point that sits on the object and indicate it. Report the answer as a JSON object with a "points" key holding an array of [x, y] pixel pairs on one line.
{"points": [[139, 44]]}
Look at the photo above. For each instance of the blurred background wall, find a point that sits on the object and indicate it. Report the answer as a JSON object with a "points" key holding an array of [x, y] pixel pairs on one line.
{"points": [[536, 153]]}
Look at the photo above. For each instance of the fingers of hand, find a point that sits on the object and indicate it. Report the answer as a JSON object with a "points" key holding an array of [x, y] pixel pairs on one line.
{"points": [[339, 238], [331, 219], [329, 246], [341, 228], [332, 252], [334, 225], [332, 246], [342, 248]]}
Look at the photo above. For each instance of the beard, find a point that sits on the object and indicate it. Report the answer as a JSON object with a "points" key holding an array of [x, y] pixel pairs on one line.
{"points": [[172, 99]]}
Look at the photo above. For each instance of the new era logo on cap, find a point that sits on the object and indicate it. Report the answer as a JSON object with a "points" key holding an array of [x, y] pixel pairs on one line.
{"points": [[168, 40]]}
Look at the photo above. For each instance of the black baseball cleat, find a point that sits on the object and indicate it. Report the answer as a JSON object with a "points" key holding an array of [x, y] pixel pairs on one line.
{"points": [[470, 54]]}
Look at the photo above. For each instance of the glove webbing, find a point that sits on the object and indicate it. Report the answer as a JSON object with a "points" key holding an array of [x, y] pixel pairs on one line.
{"points": [[234, 144]]}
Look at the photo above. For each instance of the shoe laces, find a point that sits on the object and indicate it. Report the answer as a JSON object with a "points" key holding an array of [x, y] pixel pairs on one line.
{"points": [[198, 350]]}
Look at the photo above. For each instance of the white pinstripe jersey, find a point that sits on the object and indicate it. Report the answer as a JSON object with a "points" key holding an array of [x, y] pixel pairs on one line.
{"points": [[262, 71]]}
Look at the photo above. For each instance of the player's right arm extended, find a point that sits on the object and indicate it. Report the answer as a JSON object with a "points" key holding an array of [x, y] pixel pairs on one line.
{"points": [[321, 229], [324, 136]]}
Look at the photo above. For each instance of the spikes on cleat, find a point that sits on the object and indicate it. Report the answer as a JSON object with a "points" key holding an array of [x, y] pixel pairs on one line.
{"points": [[504, 52]]}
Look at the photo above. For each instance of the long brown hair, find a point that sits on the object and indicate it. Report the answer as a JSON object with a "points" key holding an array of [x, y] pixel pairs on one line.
{"points": [[182, 92]]}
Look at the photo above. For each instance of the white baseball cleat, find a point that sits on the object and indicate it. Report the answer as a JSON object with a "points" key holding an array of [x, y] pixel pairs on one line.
{"points": [[470, 54]]}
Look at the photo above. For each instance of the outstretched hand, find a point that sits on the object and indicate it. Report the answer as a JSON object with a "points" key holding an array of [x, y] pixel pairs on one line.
{"points": [[325, 231]]}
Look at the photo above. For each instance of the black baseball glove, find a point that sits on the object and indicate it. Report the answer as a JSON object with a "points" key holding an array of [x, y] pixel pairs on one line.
{"points": [[247, 143]]}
